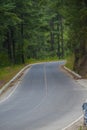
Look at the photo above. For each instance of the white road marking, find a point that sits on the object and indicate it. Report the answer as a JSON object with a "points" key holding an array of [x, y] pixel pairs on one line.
{"points": [[10, 94], [72, 123], [44, 98], [45, 79]]}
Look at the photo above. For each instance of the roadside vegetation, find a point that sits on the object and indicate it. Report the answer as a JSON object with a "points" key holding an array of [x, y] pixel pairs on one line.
{"points": [[70, 62], [82, 128], [7, 73]]}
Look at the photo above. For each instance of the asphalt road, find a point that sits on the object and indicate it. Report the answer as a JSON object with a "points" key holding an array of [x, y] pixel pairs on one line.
{"points": [[46, 99]]}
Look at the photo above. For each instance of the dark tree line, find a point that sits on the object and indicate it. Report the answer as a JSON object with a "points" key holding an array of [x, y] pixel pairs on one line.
{"points": [[76, 20], [28, 29], [39, 29]]}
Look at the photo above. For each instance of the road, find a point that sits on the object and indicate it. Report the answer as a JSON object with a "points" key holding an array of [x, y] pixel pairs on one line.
{"points": [[46, 99]]}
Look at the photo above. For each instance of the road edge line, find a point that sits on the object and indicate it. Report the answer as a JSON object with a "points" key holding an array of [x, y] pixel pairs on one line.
{"points": [[10, 94], [72, 123]]}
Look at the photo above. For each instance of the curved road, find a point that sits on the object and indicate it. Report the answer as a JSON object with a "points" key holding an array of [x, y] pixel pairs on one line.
{"points": [[46, 99]]}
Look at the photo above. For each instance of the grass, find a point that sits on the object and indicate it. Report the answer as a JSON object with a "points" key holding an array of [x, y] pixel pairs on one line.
{"points": [[48, 59], [82, 128], [70, 62], [6, 73]]}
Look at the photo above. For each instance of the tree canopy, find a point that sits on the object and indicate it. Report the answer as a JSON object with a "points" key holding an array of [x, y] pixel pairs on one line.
{"points": [[43, 28]]}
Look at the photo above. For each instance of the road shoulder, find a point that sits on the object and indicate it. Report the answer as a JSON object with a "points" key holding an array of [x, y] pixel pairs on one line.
{"points": [[78, 124]]}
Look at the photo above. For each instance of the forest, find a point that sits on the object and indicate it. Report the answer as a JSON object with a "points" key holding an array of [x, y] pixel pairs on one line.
{"points": [[39, 29]]}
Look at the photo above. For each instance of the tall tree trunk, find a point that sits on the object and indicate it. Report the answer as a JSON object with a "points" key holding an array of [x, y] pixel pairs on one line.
{"points": [[52, 34], [22, 41], [14, 57], [13, 45], [62, 41], [9, 42], [58, 37]]}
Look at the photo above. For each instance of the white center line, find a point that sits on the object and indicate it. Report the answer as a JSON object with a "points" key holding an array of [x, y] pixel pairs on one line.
{"points": [[45, 79]]}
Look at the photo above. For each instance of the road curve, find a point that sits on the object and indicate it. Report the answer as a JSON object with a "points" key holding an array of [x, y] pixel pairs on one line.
{"points": [[46, 99]]}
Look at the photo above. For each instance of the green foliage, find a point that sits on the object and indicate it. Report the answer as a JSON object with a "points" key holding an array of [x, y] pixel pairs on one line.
{"points": [[7, 73], [76, 21], [43, 30], [40, 29], [25, 29], [80, 128], [47, 59], [4, 59], [70, 62]]}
